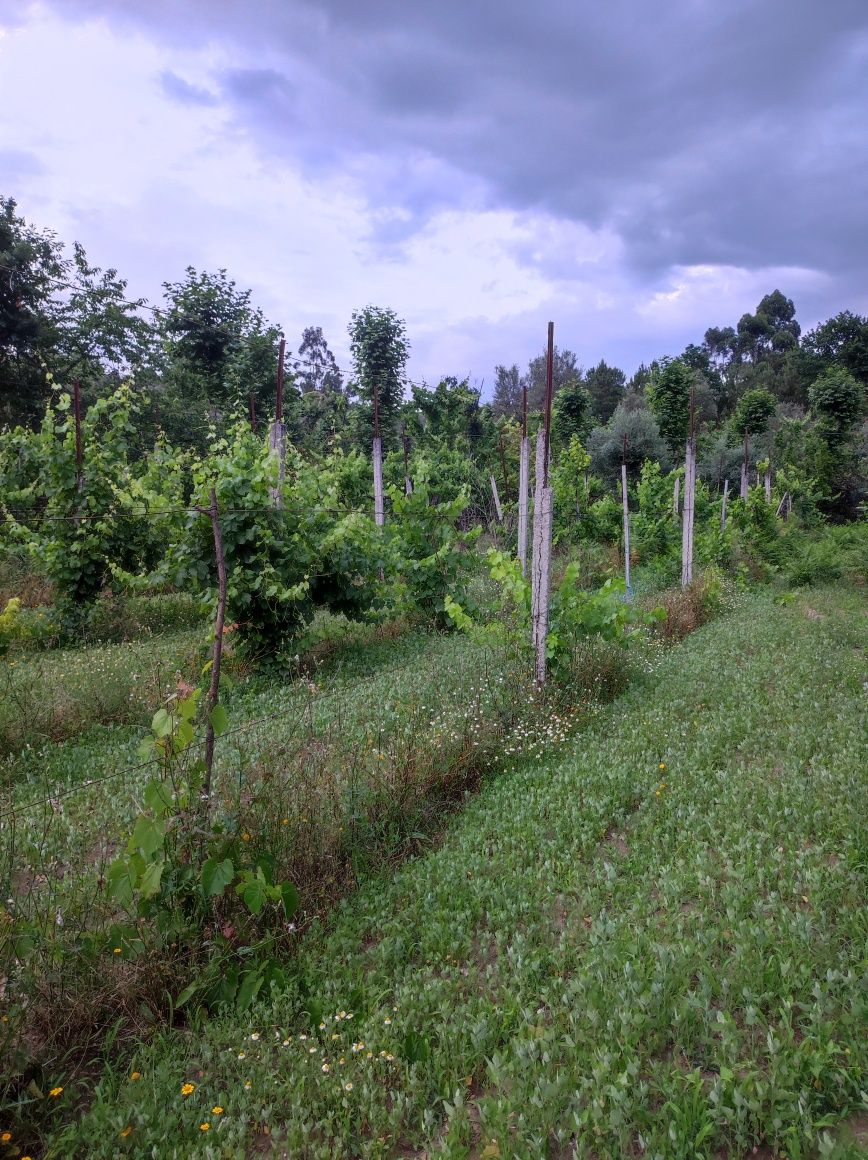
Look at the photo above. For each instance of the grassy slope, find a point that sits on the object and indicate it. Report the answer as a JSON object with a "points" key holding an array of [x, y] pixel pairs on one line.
{"points": [[601, 951]]}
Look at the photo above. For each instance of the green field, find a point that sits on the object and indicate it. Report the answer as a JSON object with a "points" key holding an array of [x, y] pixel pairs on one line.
{"points": [[649, 941]]}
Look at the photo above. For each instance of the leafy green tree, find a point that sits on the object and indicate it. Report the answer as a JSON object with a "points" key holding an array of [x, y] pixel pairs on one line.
{"points": [[380, 349], [838, 401], [320, 420], [565, 371], [840, 341], [644, 441], [669, 397], [218, 351], [571, 416], [100, 332], [30, 261], [640, 379], [606, 386], [429, 556], [771, 330], [316, 368], [451, 411], [507, 398], [754, 411], [61, 319], [94, 523]]}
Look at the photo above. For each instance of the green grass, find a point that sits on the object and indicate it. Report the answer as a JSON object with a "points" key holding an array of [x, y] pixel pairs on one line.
{"points": [[605, 958]]}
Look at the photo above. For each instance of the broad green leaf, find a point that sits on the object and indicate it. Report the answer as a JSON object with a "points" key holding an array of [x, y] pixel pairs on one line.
{"points": [[216, 876], [290, 898], [253, 893], [249, 989], [158, 797], [119, 885], [162, 723], [219, 719], [147, 836], [150, 883]]}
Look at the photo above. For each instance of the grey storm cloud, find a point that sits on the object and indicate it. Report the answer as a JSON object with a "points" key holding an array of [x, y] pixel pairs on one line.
{"points": [[16, 164], [178, 89], [699, 132]]}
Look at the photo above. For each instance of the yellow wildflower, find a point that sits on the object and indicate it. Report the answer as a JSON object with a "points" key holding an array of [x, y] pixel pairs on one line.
{"points": [[187, 1089], [117, 951], [216, 1110], [55, 1091], [6, 1137], [126, 1131], [204, 1127], [135, 1075]]}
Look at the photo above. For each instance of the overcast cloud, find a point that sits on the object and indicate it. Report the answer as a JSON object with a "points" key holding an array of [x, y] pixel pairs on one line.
{"points": [[636, 172]]}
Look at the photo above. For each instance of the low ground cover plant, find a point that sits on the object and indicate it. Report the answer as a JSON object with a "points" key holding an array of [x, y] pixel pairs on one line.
{"points": [[679, 973]]}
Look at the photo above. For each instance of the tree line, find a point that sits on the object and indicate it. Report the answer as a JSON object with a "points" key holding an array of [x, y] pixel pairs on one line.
{"points": [[207, 354]]}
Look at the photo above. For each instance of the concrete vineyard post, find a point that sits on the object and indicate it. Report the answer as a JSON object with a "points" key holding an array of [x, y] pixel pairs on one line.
{"points": [[377, 451], [689, 498], [687, 522], [379, 511], [537, 505], [217, 655], [523, 473], [277, 431], [626, 516], [79, 450], [542, 528], [408, 482]]}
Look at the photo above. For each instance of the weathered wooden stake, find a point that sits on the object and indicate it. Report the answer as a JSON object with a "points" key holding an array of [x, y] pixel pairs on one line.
{"points": [[523, 473], [723, 505], [217, 656], [498, 509]]}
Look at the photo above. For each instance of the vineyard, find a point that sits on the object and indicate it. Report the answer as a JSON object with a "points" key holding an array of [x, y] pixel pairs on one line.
{"points": [[388, 805]]}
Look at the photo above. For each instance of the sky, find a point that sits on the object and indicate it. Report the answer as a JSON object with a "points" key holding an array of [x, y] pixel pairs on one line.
{"points": [[635, 172]]}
